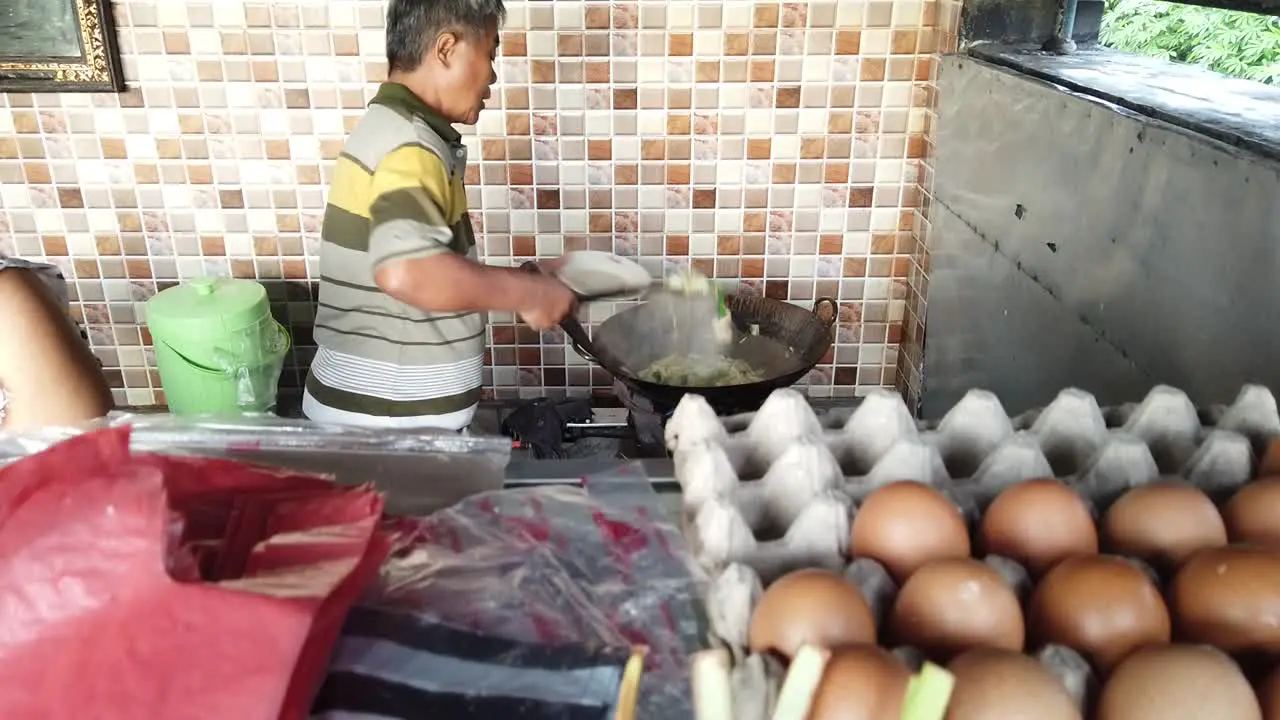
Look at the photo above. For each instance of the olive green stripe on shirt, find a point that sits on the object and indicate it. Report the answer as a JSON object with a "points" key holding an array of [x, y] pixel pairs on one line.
{"points": [[345, 229], [398, 97], [464, 236], [349, 285], [356, 161], [381, 407], [413, 204]]}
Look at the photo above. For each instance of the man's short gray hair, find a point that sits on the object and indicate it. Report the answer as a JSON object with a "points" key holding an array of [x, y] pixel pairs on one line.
{"points": [[412, 25]]}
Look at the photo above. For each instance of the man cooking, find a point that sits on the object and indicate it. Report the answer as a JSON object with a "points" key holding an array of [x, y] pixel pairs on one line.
{"points": [[401, 319]]}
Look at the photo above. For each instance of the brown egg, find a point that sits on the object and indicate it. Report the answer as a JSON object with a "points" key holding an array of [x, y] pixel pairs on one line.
{"points": [[1101, 606], [906, 524], [996, 684], [956, 604], [1163, 523], [813, 607], [1253, 513], [1178, 682], [861, 682], [1229, 598], [1270, 464], [1269, 695], [1039, 523]]}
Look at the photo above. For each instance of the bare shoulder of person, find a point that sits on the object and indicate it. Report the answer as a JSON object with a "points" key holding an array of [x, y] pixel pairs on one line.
{"points": [[48, 375]]}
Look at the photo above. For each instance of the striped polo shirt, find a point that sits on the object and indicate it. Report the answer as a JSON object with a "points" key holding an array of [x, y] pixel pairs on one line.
{"points": [[396, 194]]}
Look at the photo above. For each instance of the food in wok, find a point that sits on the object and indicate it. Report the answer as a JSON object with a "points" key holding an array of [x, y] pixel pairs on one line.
{"points": [[700, 371]]}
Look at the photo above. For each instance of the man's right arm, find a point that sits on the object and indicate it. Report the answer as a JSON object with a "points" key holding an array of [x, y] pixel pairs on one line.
{"points": [[452, 283], [412, 262]]}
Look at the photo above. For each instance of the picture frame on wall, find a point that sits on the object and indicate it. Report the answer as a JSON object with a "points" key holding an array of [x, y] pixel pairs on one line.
{"points": [[51, 46]]}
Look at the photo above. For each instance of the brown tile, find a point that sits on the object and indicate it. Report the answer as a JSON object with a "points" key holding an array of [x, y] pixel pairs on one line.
{"points": [[883, 243], [917, 146], [854, 267], [519, 174], [345, 44], [518, 124], [737, 43], [761, 71], [759, 148], [547, 199], [903, 42], [624, 98], [569, 44], [787, 97], [765, 15], [54, 245], [677, 245], [177, 42], [37, 173], [70, 198], [231, 199], [599, 150], [212, 246], [25, 121], [871, 69], [542, 71], [678, 124], [848, 42], [680, 44], [513, 44], [597, 16], [515, 98], [836, 172], [861, 196]]}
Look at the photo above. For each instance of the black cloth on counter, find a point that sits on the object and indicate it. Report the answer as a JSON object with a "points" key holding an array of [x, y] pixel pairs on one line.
{"points": [[541, 424], [399, 666]]}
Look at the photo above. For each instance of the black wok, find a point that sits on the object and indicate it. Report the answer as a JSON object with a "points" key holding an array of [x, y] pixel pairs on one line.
{"points": [[788, 342]]}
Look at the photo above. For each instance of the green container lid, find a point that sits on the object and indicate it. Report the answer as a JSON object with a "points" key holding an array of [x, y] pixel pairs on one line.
{"points": [[203, 313]]}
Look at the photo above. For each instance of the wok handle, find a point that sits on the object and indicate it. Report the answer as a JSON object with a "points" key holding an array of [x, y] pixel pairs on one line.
{"points": [[831, 307], [572, 327]]}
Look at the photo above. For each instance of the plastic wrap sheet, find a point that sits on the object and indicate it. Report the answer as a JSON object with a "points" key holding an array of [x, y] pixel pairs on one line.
{"points": [[597, 568], [420, 471], [254, 356]]}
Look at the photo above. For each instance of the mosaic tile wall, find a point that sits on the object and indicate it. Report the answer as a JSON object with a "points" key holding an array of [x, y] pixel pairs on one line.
{"points": [[784, 146]]}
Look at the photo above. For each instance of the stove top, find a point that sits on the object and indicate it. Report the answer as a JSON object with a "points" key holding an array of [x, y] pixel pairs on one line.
{"points": [[602, 432]]}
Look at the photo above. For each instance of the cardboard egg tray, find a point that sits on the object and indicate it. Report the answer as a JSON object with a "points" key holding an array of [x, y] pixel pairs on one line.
{"points": [[775, 488], [775, 491]]}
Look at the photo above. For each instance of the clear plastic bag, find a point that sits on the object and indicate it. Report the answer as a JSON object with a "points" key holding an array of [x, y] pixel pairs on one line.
{"points": [[254, 357], [596, 566], [421, 471]]}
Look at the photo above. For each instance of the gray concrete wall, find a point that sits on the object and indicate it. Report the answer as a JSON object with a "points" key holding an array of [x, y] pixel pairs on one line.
{"points": [[1077, 244]]}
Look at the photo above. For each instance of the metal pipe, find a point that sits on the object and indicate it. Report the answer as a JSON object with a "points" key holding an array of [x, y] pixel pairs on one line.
{"points": [[1062, 43]]}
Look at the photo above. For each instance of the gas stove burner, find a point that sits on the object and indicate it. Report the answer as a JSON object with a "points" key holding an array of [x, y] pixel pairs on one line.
{"points": [[647, 423]]}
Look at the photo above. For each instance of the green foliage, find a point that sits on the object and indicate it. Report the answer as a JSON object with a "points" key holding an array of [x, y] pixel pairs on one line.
{"points": [[1233, 43]]}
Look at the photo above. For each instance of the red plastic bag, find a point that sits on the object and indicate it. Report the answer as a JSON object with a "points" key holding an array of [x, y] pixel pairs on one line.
{"points": [[147, 586]]}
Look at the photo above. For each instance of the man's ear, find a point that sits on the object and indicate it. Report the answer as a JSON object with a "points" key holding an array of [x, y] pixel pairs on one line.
{"points": [[445, 46]]}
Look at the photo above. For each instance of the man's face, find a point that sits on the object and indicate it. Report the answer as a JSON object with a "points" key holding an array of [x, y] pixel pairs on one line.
{"points": [[470, 75]]}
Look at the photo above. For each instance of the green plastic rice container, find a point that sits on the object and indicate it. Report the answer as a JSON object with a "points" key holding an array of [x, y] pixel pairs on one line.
{"points": [[218, 349]]}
